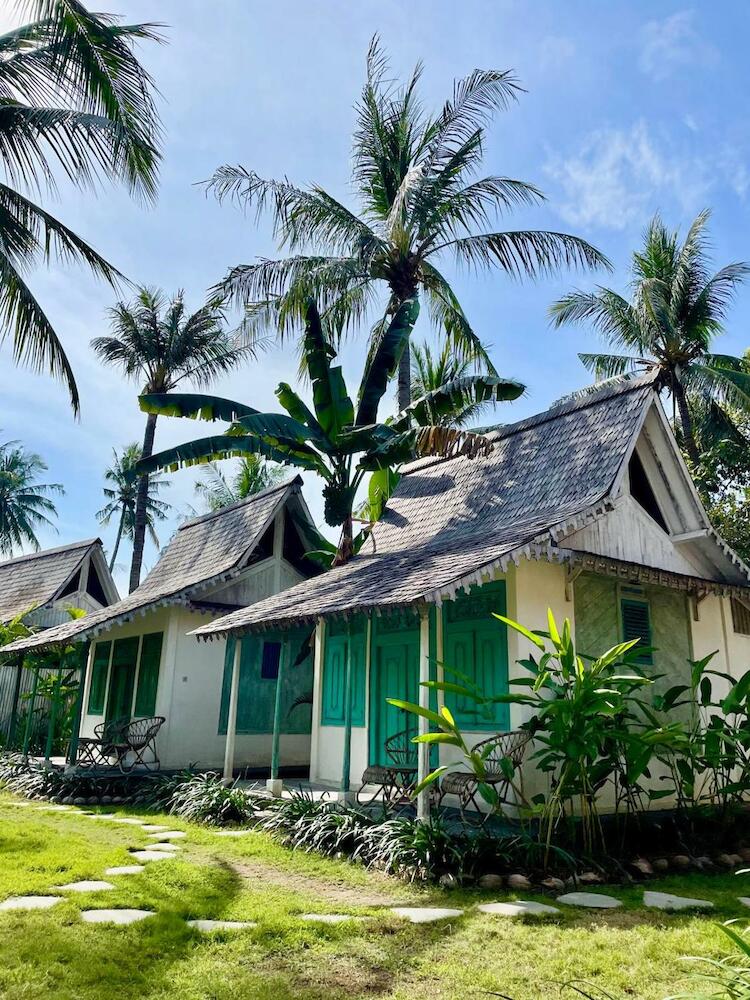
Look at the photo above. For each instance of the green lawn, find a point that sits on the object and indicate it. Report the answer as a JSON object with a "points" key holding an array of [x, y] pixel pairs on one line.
{"points": [[632, 953]]}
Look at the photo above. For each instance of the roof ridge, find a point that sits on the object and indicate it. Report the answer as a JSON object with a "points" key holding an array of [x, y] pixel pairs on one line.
{"points": [[70, 547], [202, 518]]}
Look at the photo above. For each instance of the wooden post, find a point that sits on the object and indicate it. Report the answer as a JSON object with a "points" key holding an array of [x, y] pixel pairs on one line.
{"points": [[53, 711], [85, 655], [347, 755], [234, 692], [14, 710], [30, 714], [274, 783], [423, 752]]}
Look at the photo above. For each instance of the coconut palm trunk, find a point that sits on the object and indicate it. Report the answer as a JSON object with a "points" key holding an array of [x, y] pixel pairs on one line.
{"points": [[141, 503]]}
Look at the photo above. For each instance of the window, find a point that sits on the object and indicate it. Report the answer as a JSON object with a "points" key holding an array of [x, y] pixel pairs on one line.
{"points": [[269, 664], [740, 617], [636, 624]]}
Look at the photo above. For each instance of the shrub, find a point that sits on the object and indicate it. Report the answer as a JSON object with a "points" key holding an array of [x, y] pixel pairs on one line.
{"points": [[204, 798]]}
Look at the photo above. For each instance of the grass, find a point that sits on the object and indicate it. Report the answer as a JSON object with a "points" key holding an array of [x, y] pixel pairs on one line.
{"points": [[631, 952]]}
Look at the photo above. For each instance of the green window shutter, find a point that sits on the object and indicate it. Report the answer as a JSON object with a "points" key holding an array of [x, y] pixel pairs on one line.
{"points": [[333, 706], [98, 686], [148, 675], [636, 624]]}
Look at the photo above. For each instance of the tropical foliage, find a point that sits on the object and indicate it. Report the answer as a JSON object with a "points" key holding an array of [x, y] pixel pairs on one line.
{"points": [[121, 498], [250, 475], [333, 440], [668, 325], [73, 97], [419, 202], [25, 503], [160, 344]]}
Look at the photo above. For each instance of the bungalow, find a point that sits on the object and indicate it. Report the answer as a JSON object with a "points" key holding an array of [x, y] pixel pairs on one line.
{"points": [[587, 509], [142, 662], [43, 586]]}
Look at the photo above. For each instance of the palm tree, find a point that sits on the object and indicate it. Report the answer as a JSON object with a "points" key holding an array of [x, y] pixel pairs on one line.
{"points": [[25, 504], [431, 371], [676, 310], [121, 499], [419, 202], [161, 345], [72, 96], [251, 475]]}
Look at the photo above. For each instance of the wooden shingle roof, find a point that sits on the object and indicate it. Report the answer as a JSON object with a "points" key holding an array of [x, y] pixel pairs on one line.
{"points": [[451, 521]]}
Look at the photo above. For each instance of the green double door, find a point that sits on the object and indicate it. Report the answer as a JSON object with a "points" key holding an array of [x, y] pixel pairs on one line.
{"points": [[394, 674], [122, 679]]}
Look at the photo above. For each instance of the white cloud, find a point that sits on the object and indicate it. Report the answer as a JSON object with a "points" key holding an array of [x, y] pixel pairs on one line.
{"points": [[621, 176], [673, 43]]}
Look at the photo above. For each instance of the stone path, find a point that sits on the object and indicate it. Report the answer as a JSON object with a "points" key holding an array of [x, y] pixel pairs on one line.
{"points": [[518, 908], [123, 916], [425, 914], [666, 901], [591, 900]]}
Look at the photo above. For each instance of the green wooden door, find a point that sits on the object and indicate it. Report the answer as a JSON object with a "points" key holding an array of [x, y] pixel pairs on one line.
{"points": [[395, 675], [122, 679]]}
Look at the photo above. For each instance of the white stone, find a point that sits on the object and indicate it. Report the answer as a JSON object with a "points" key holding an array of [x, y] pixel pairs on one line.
{"points": [[330, 918], [518, 908], [593, 900], [29, 902], [115, 916], [152, 827], [125, 870], [85, 885], [425, 914], [666, 901], [168, 835], [220, 925], [151, 855]]}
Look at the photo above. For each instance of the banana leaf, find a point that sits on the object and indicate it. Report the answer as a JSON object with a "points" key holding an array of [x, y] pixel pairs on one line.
{"points": [[384, 364], [333, 407], [456, 395], [197, 405], [217, 447]]}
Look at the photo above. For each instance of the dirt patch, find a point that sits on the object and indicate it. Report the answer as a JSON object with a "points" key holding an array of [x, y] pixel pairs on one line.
{"points": [[257, 872]]}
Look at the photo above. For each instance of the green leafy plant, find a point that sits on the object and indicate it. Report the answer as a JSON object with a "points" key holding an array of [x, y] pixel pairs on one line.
{"points": [[204, 798], [342, 445]]}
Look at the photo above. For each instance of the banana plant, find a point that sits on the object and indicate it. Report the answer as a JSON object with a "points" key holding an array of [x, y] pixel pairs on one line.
{"points": [[338, 441]]}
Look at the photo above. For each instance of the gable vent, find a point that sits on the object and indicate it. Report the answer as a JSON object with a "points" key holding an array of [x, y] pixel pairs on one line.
{"points": [[636, 624]]}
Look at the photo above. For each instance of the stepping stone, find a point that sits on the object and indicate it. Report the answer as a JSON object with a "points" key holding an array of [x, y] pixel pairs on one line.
{"points": [[115, 916], [518, 908], [151, 855], [152, 827], [745, 900], [125, 870], [591, 900], [232, 833], [425, 914], [86, 885], [168, 835], [164, 846], [220, 925], [333, 918], [666, 901], [29, 902]]}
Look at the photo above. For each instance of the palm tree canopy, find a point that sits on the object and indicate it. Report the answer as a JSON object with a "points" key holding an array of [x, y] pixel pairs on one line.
{"points": [[74, 97], [121, 491], [160, 344], [420, 199], [25, 504], [676, 309], [251, 475]]}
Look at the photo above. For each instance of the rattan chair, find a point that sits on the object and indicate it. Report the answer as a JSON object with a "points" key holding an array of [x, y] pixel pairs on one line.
{"points": [[496, 750]]}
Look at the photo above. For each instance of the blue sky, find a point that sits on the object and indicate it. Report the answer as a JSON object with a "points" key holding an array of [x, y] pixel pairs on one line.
{"points": [[631, 108]]}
